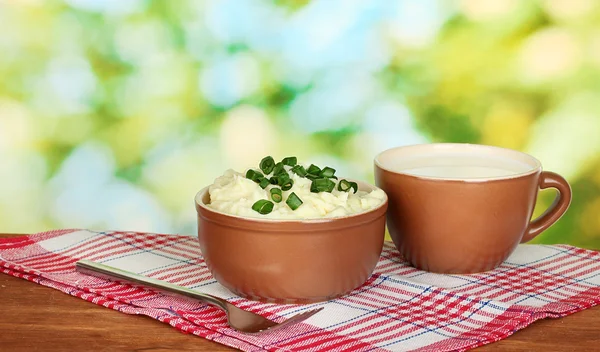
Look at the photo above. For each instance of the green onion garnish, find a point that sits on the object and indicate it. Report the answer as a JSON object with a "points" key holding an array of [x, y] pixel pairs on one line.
{"points": [[267, 164], [278, 169], [346, 185], [327, 172], [282, 179], [253, 175], [312, 177], [264, 182], [314, 170], [273, 180], [288, 185], [293, 201], [276, 195], [263, 206], [290, 161], [299, 170], [322, 185]]}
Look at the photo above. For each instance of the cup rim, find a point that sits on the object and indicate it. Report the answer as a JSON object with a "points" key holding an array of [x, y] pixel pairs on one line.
{"points": [[536, 165]]}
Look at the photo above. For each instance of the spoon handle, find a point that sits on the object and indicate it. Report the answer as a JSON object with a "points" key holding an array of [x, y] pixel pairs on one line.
{"points": [[115, 274]]}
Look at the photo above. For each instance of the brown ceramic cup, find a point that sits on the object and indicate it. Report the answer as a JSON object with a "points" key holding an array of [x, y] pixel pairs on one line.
{"points": [[463, 208], [290, 261]]}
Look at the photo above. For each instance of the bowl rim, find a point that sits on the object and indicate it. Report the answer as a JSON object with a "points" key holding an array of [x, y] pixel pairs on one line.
{"points": [[231, 220]]}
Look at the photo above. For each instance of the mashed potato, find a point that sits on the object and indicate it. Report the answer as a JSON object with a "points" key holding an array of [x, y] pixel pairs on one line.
{"points": [[232, 193]]}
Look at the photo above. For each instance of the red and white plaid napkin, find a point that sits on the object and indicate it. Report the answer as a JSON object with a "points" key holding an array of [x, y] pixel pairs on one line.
{"points": [[398, 309]]}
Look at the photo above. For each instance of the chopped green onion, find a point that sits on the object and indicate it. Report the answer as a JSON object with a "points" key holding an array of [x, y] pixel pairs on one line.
{"points": [[273, 180], [322, 185], [346, 185], [290, 161], [293, 201], [311, 177], [278, 169], [276, 195], [288, 185], [263, 206], [253, 175], [299, 170], [314, 170], [327, 172], [267, 164], [264, 182], [282, 179]]}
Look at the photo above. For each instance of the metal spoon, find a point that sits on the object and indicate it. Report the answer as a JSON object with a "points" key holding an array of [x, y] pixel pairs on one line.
{"points": [[239, 319]]}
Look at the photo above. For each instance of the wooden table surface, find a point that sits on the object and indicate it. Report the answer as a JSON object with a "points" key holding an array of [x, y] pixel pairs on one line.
{"points": [[37, 318]]}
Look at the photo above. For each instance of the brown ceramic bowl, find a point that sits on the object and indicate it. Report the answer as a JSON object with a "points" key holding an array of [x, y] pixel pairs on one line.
{"points": [[290, 261]]}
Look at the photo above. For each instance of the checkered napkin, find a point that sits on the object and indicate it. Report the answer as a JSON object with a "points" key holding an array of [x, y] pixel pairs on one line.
{"points": [[398, 309]]}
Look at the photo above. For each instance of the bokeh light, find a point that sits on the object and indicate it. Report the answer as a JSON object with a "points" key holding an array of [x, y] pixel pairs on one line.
{"points": [[113, 114]]}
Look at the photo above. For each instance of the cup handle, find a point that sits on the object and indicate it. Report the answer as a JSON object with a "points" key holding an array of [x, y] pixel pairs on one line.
{"points": [[556, 210]]}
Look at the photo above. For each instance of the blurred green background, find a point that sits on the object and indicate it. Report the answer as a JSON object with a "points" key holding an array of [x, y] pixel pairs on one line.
{"points": [[113, 114]]}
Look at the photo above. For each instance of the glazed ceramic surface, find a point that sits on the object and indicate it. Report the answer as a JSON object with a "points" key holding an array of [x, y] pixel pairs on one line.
{"points": [[462, 208], [290, 261]]}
